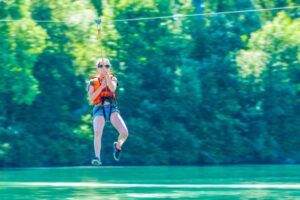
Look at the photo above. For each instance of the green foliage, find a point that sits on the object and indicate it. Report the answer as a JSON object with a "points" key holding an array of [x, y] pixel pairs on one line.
{"points": [[275, 65], [213, 90], [21, 43]]}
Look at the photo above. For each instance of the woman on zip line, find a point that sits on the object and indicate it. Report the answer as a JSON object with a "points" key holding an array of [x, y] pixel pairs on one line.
{"points": [[101, 92]]}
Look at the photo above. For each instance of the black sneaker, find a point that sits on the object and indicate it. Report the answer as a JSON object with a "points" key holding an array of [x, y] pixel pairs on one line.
{"points": [[117, 152], [96, 161]]}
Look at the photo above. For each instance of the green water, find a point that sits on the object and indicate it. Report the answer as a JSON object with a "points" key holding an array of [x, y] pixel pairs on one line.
{"points": [[209, 182]]}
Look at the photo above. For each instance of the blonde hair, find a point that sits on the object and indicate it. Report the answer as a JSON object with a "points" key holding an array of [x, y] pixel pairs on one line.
{"points": [[100, 60]]}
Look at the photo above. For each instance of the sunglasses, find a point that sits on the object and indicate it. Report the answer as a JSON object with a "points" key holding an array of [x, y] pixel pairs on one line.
{"points": [[100, 66]]}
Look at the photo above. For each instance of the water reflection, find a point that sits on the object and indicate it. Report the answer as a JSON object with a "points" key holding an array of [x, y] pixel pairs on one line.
{"points": [[212, 183]]}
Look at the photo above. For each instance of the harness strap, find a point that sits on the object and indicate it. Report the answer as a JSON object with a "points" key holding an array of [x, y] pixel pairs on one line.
{"points": [[110, 99], [107, 117], [97, 109], [104, 114], [110, 109]]}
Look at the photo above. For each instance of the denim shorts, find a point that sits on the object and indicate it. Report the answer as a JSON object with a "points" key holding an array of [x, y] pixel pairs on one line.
{"points": [[105, 110]]}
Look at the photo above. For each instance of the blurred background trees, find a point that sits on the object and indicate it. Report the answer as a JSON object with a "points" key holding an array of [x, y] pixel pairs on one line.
{"points": [[201, 90]]}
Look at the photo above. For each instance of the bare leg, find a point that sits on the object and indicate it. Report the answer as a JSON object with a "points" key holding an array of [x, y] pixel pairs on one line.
{"points": [[98, 123], [120, 125]]}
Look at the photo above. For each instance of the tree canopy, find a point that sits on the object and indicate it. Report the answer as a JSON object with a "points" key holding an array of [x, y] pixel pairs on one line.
{"points": [[220, 89]]}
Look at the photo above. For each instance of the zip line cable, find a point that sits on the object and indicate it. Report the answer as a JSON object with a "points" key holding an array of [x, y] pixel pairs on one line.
{"points": [[155, 18], [100, 37], [204, 14]]}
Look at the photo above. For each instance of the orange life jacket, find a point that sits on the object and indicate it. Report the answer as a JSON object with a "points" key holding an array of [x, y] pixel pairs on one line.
{"points": [[105, 93]]}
